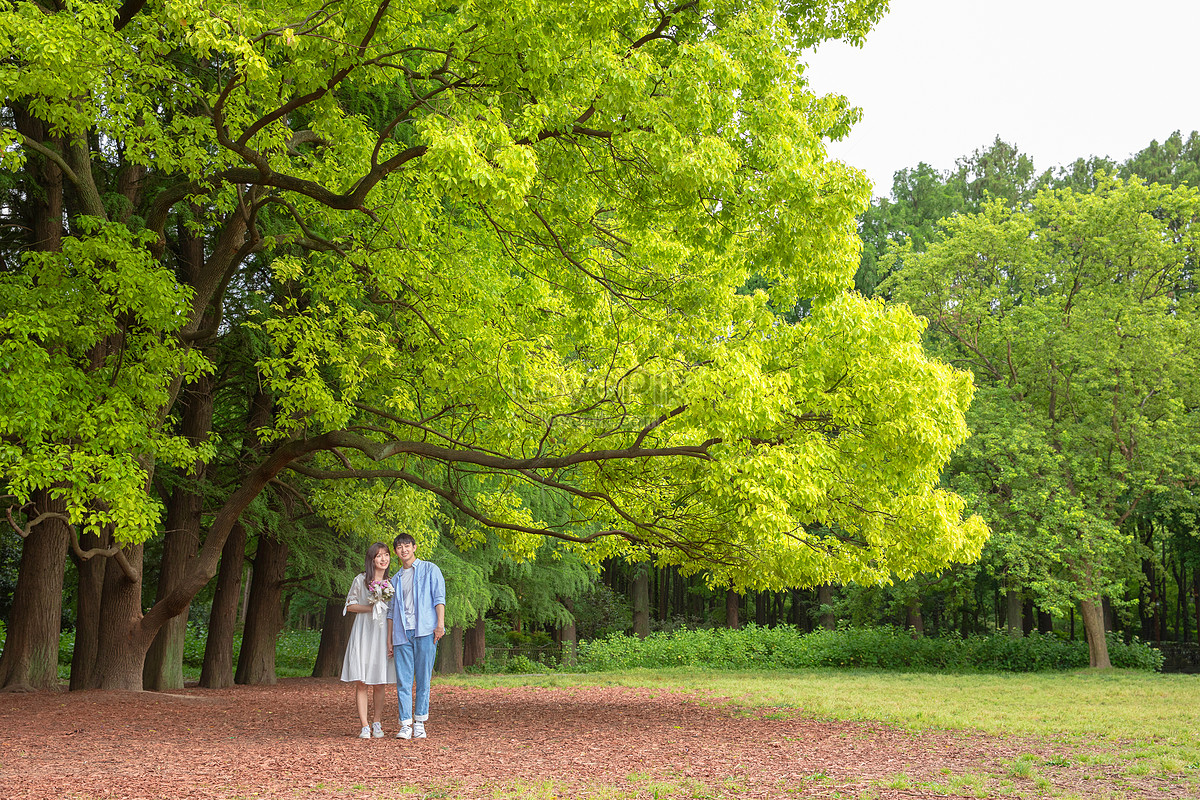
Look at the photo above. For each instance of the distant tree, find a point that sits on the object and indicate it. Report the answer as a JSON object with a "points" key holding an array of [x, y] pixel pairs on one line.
{"points": [[921, 197], [1082, 175], [1079, 318], [998, 173], [1174, 162]]}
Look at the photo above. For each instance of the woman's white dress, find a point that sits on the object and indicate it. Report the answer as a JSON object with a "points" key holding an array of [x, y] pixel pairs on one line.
{"points": [[366, 657]]}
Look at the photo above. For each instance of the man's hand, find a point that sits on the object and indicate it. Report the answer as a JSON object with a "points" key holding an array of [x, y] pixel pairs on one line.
{"points": [[438, 633]]}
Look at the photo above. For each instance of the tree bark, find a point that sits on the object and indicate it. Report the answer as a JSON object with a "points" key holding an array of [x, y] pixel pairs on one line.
{"points": [[664, 594], [89, 592], [30, 658], [217, 670], [123, 642], [1196, 601], [733, 602], [1045, 622], [475, 644], [264, 617], [913, 621], [568, 637], [760, 609], [164, 661], [639, 590], [796, 611], [450, 652], [335, 633], [1093, 626], [163, 668], [1013, 608], [825, 601]]}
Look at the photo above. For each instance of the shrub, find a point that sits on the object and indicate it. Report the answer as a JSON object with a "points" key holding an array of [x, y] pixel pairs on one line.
{"points": [[879, 647], [523, 665]]}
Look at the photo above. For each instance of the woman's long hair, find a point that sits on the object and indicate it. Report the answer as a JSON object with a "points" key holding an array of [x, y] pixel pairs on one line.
{"points": [[369, 564]]}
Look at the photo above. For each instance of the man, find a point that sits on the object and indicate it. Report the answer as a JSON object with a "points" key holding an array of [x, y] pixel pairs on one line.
{"points": [[415, 622]]}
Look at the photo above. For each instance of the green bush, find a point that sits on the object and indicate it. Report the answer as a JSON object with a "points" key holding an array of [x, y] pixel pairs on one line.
{"points": [[523, 665], [296, 652], [881, 648]]}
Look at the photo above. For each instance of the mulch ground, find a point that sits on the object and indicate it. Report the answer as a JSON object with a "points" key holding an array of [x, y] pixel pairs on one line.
{"points": [[299, 740]]}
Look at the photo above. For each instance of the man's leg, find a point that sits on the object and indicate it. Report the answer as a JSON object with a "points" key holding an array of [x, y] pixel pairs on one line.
{"points": [[425, 651], [404, 681]]}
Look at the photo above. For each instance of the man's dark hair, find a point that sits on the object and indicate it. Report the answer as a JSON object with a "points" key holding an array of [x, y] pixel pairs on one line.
{"points": [[403, 537]]}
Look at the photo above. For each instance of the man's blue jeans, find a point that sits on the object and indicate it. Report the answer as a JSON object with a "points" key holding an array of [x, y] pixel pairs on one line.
{"points": [[414, 665]]}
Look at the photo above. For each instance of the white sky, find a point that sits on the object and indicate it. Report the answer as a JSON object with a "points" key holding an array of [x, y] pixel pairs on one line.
{"points": [[1060, 79]]}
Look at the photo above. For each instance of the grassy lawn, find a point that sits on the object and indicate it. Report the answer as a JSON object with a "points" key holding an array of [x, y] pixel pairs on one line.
{"points": [[1144, 724]]}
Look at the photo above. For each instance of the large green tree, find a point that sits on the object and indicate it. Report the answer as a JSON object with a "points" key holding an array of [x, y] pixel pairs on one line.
{"points": [[1079, 320], [506, 245]]}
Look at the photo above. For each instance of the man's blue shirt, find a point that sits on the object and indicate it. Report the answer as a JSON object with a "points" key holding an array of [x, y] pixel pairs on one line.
{"points": [[429, 591]]}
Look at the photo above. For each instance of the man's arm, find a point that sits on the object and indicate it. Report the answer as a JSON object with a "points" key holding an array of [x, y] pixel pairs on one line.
{"points": [[440, 630], [389, 635]]}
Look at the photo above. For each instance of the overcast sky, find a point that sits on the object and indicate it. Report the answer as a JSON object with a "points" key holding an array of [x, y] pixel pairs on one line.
{"points": [[1060, 79]]}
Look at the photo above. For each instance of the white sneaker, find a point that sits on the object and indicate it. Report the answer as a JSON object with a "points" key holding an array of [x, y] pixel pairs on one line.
{"points": [[418, 730], [405, 732], [376, 730], [365, 733]]}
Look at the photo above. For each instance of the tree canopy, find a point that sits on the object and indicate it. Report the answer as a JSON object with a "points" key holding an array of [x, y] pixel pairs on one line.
{"points": [[476, 247]]}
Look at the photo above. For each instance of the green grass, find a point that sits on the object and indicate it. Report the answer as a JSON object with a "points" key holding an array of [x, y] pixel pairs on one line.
{"points": [[1147, 724], [1114, 705]]}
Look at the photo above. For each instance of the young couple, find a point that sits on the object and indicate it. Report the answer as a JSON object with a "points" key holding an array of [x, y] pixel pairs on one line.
{"points": [[398, 623]]}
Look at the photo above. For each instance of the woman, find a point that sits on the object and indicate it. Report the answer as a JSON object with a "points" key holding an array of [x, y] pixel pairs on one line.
{"points": [[367, 663]]}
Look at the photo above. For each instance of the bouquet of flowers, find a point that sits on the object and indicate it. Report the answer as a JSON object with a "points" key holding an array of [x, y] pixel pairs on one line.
{"points": [[379, 595], [380, 592]]}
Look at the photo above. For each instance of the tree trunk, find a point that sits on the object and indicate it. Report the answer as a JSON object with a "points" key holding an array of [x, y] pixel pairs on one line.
{"points": [[913, 621], [164, 661], [163, 668], [1013, 608], [796, 612], [1045, 622], [450, 652], [30, 658], [639, 589], [1183, 604], [122, 646], [1147, 595], [475, 644], [264, 617], [1196, 601], [825, 601], [733, 602], [335, 633], [664, 594], [1110, 617], [760, 609], [88, 596], [568, 637], [1093, 626], [217, 670]]}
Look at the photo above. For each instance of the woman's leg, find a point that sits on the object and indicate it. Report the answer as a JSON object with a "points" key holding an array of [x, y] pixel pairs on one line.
{"points": [[360, 700], [380, 694]]}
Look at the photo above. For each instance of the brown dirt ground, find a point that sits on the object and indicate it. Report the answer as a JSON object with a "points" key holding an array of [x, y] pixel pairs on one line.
{"points": [[299, 740]]}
